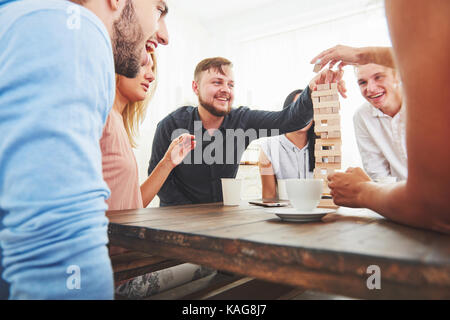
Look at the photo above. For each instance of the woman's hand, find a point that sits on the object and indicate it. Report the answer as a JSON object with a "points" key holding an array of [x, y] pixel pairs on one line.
{"points": [[179, 149]]}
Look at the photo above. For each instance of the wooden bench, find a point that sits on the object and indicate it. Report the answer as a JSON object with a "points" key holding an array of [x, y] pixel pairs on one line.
{"points": [[131, 264]]}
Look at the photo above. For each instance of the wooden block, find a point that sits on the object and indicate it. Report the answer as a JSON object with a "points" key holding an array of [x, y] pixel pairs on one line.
{"points": [[326, 160], [323, 135], [335, 109], [326, 190], [329, 98], [327, 203], [323, 171], [315, 101], [328, 117], [334, 122], [329, 142], [317, 68], [327, 166], [333, 130], [325, 86], [331, 104], [334, 133], [323, 93], [333, 85], [327, 153]]}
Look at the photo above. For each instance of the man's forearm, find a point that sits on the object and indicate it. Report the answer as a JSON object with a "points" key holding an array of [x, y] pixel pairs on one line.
{"points": [[395, 202], [379, 55]]}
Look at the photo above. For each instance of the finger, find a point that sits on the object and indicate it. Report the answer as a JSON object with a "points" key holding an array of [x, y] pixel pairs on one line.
{"points": [[339, 73], [342, 89], [321, 78], [332, 63], [342, 65], [329, 76], [319, 58]]}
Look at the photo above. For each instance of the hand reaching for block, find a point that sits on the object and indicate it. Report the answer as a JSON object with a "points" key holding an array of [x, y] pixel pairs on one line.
{"points": [[329, 76]]}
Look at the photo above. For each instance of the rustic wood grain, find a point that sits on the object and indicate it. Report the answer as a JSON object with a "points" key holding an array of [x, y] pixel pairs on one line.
{"points": [[132, 264], [330, 256]]}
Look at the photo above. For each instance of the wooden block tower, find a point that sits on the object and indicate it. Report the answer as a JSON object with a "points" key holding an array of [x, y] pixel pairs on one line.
{"points": [[328, 130]]}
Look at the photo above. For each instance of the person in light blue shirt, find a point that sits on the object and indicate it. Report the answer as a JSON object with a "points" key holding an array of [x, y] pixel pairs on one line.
{"points": [[56, 89], [288, 156]]}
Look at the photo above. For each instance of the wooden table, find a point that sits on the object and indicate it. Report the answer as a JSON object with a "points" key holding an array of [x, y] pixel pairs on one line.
{"points": [[331, 256]]}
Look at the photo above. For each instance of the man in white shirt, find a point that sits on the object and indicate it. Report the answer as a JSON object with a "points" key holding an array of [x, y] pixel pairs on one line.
{"points": [[380, 123]]}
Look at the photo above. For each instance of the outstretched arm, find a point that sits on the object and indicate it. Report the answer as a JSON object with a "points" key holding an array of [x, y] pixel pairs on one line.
{"points": [[422, 200], [355, 56]]}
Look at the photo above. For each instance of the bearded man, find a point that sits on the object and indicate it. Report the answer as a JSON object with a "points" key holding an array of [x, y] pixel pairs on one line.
{"points": [[222, 132]]}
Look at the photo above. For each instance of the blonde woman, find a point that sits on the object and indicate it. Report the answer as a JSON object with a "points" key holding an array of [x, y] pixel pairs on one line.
{"points": [[120, 172], [120, 169]]}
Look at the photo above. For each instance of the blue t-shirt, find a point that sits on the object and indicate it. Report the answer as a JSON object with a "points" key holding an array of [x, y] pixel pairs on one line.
{"points": [[56, 89]]}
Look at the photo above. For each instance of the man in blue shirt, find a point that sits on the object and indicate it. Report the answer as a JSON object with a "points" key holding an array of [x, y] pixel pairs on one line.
{"points": [[56, 89]]}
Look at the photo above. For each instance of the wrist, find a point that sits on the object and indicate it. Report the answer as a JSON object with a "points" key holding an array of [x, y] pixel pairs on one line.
{"points": [[365, 194], [364, 55], [167, 163]]}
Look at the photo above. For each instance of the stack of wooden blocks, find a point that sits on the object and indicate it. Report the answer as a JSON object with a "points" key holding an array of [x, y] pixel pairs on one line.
{"points": [[328, 130]]}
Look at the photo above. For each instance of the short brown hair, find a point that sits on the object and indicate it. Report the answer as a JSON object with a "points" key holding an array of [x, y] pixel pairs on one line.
{"points": [[211, 63]]}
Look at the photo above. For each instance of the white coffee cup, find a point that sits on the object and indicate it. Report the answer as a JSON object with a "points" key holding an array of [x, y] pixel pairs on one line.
{"points": [[281, 188], [304, 194], [231, 191]]}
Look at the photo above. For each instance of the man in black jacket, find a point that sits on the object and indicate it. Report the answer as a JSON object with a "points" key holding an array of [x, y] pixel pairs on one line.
{"points": [[222, 132]]}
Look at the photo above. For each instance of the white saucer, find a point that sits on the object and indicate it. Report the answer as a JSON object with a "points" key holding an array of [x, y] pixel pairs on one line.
{"points": [[292, 214]]}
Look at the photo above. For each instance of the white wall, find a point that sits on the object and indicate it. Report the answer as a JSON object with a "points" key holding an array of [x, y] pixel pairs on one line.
{"points": [[269, 68], [271, 58]]}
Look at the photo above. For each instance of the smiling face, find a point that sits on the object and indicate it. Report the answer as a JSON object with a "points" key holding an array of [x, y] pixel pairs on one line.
{"points": [[215, 90], [139, 21], [380, 86], [136, 89]]}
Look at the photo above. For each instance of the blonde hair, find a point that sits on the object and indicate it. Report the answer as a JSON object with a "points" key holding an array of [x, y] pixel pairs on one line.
{"points": [[134, 112]]}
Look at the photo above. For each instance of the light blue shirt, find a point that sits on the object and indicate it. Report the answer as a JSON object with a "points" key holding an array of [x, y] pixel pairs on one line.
{"points": [[56, 89], [288, 161]]}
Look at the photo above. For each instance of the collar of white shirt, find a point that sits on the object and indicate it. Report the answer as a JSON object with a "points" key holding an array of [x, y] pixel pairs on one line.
{"points": [[289, 145]]}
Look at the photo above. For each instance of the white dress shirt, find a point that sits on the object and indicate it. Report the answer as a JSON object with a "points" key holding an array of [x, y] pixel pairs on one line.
{"points": [[382, 142], [288, 161]]}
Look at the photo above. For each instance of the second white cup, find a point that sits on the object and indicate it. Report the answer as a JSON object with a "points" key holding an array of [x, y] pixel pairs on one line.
{"points": [[304, 194], [231, 191]]}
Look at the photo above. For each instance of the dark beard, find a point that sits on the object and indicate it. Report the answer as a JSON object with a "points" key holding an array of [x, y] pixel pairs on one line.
{"points": [[211, 109], [126, 38]]}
